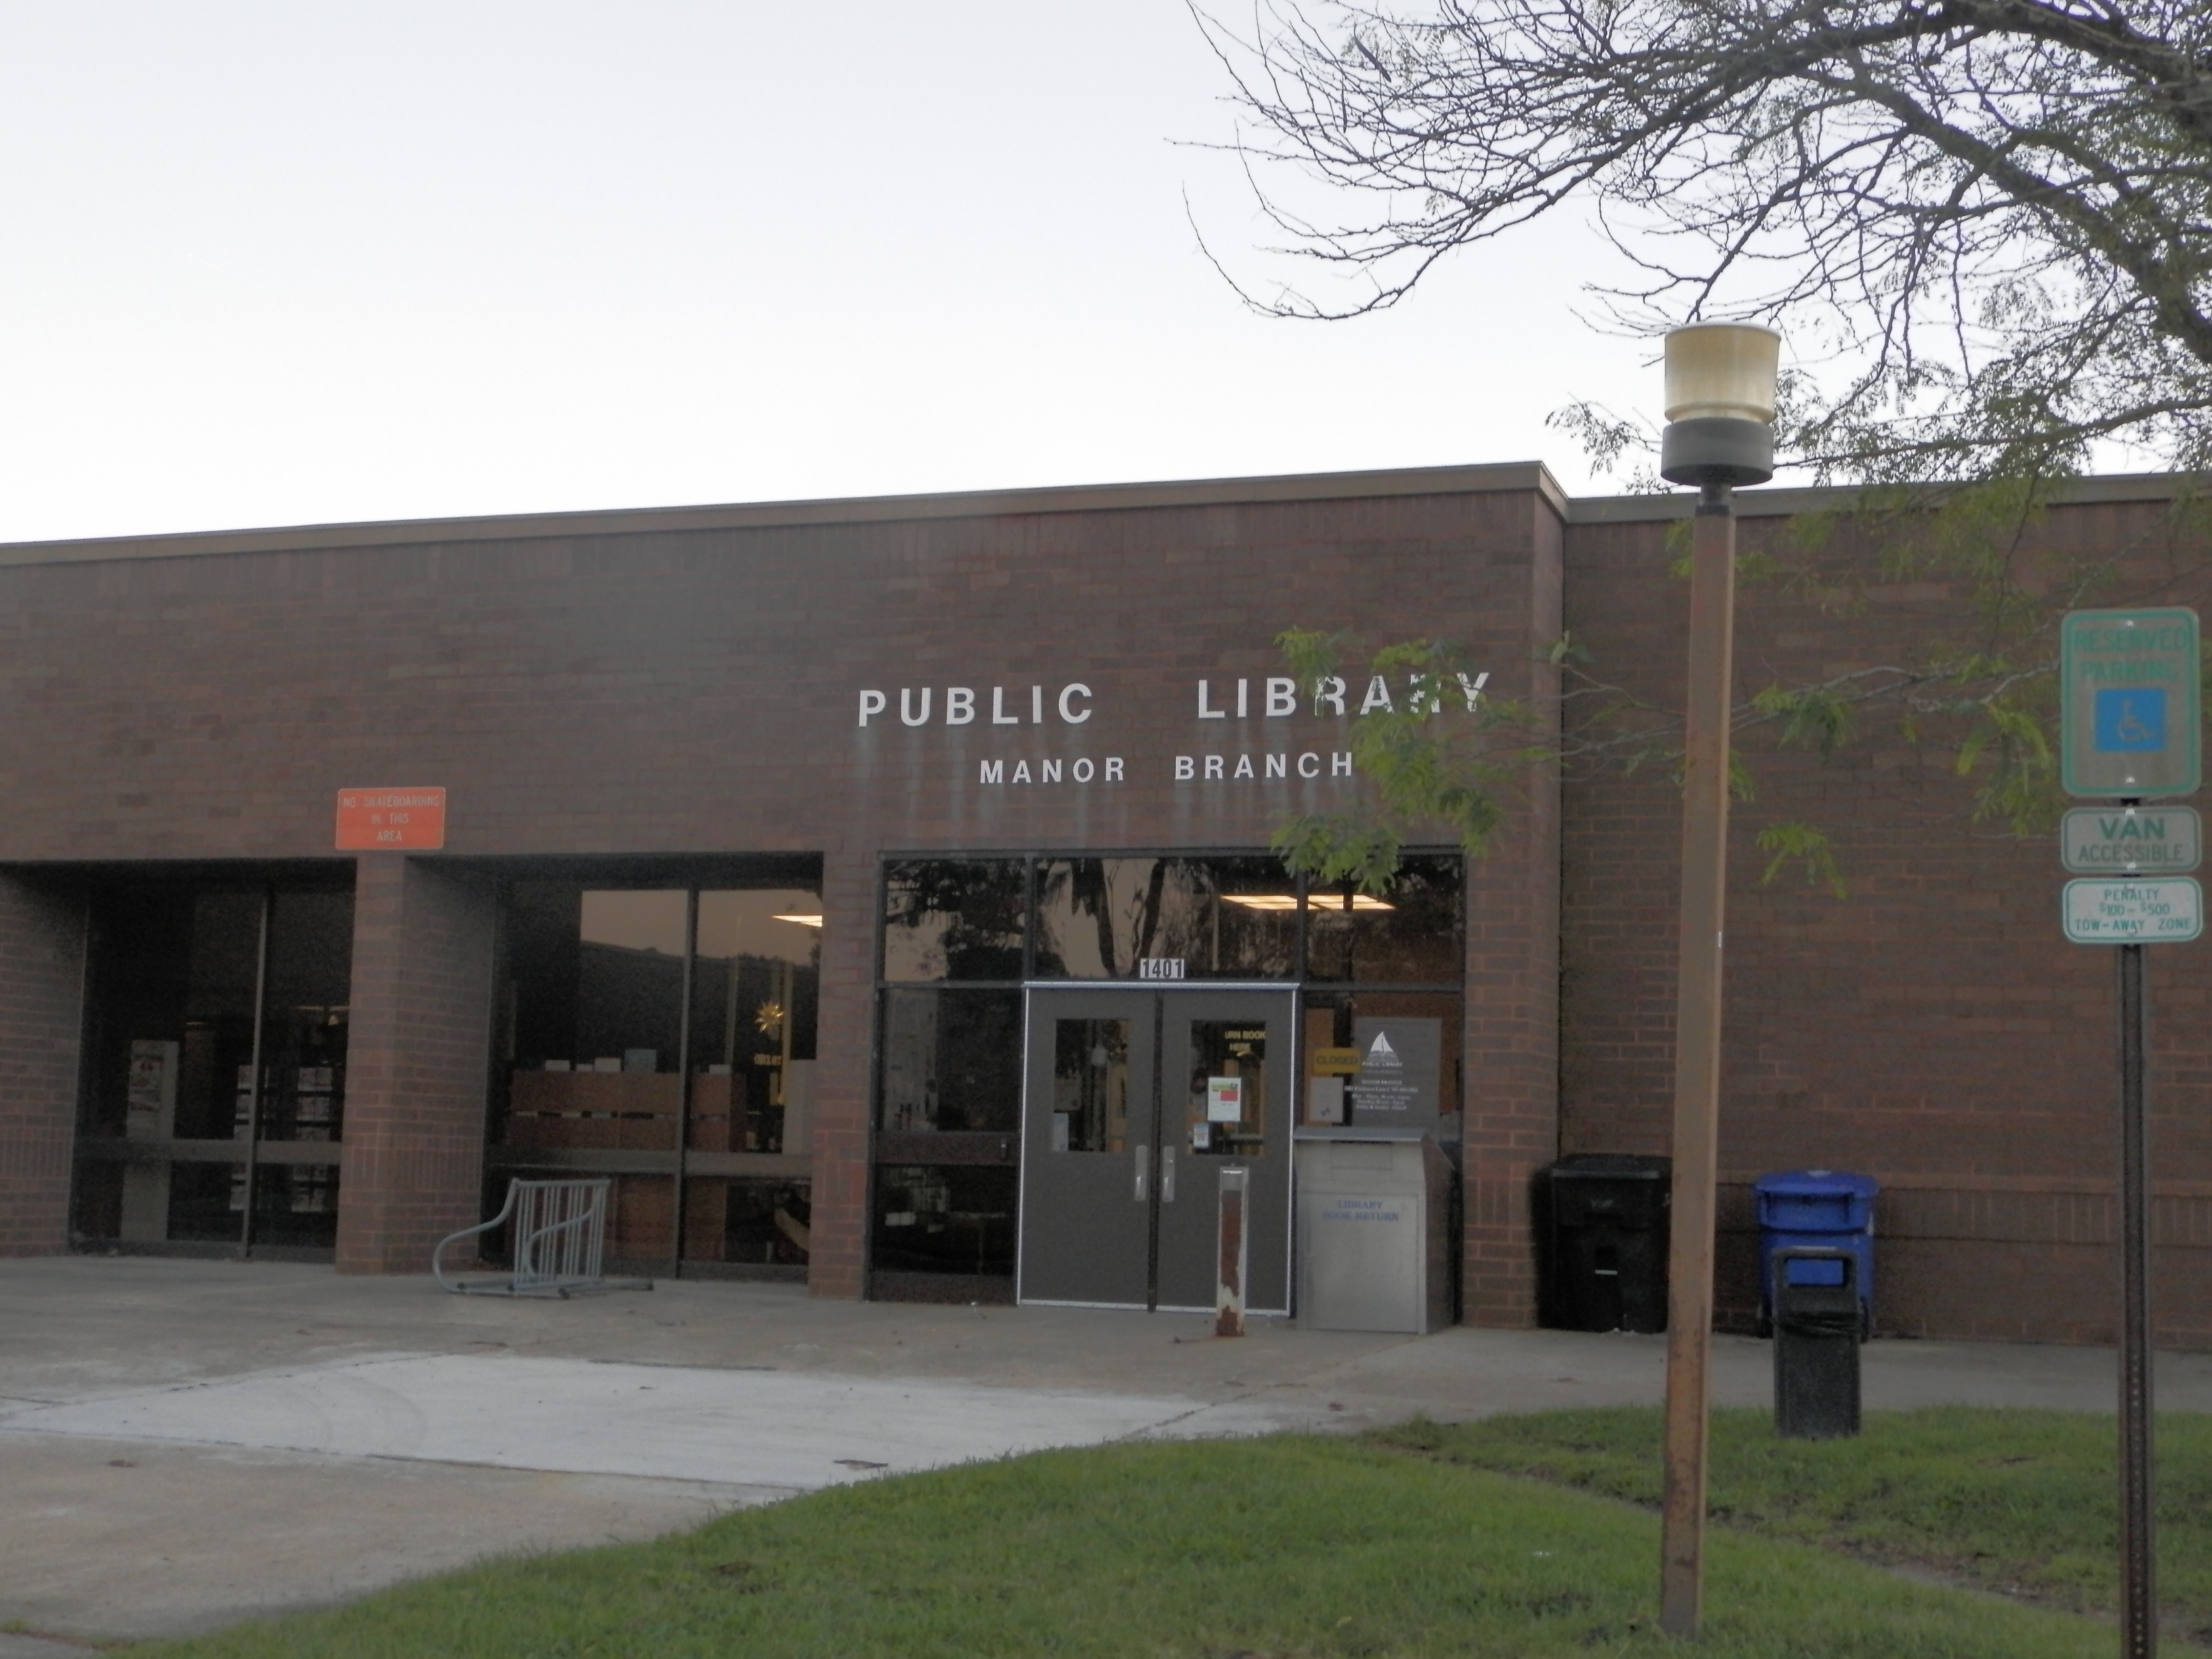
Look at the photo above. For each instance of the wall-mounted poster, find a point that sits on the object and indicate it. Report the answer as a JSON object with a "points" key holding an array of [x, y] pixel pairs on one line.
{"points": [[1400, 1061]]}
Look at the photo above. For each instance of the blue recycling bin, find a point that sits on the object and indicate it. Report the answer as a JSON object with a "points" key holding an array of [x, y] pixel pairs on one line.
{"points": [[1817, 1209]]}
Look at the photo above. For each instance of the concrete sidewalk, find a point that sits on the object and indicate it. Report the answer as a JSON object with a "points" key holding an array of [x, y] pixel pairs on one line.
{"points": [[183, 1444]]}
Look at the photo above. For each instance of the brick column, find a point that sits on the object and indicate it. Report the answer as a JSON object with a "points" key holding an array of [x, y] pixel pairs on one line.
{"points": [[419, 1050], [1512, 1034], [837, 1258], [1512, 1068], [42, 938]]}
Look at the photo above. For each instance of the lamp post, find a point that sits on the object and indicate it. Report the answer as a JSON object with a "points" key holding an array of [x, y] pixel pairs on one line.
{"points": [[1720, 407]]}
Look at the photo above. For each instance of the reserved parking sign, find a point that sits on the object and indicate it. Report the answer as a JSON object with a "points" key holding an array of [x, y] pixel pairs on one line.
{"points": [[2128, 702]]}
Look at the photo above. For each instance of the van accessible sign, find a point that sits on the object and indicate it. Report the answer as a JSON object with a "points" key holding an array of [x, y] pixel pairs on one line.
{"points": [[2105, 841]]}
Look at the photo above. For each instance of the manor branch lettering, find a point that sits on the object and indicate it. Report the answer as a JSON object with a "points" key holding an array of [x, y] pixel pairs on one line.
{"points": [[1274, 697]]}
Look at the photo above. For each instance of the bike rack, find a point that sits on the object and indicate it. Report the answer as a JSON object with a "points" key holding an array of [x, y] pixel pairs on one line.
{"points": [[560, 1232]]}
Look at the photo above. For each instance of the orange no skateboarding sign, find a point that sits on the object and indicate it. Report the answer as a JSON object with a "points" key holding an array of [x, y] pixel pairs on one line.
{"points": [[391, 820]]}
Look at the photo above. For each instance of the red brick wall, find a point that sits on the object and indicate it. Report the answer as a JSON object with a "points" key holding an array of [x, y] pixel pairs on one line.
{"points": [[838, 1231], [417, 1052], [1933, 1029], [42, 936], [1512, 1001], [695, 691], [1139, 606]]}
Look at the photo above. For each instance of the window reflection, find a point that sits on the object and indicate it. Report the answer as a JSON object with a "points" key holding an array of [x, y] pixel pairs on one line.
{"points": [[650, 922], [954, 919], [754, 990], [1411, 934], [1102, 918], [765, 1222], [606, 1060], [951, 1062], [1090, 1086], [956, 1219], [598, 1014], [1234, 917]]}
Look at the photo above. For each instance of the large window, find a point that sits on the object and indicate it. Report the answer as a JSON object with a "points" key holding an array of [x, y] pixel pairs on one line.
{"points": [[664, 1035], [955, 920], [1217, 918], [961, 936], [214, 1107], [956, 948], [1413, 935], [951, 1062]]}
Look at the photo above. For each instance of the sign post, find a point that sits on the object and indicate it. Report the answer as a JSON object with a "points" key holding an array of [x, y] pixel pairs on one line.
{"points": [[2129, 710], [2138, 1466]]}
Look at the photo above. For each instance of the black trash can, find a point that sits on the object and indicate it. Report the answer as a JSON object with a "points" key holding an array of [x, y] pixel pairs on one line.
{"points": [[1605, 1262], [1816, 1342]]}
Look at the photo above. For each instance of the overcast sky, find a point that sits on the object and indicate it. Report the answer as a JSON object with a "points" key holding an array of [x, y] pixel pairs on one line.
{"points": [[306, 262]]}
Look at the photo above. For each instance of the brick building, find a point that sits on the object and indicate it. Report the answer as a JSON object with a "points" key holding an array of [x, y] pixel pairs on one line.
{"points": [[807, 870]]}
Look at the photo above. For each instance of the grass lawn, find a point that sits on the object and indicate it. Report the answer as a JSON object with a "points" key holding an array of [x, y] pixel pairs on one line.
{"points": [[2019, 1501], [1284, 1546]]}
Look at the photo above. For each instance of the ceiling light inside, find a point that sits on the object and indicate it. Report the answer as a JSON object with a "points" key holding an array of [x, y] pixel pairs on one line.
{"points": [[1319, 901]]}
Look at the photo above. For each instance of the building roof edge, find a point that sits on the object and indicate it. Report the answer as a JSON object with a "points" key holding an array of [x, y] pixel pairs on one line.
{"points": [[1498, 478], [1787, 503], [1504, 478]]}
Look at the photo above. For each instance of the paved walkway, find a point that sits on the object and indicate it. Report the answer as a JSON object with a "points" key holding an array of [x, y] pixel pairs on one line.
{"points": [[184, 1444]]}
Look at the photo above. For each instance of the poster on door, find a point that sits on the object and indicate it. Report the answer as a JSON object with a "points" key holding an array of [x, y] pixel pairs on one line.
{"points": [[1400, 1060], [152, 1090]]}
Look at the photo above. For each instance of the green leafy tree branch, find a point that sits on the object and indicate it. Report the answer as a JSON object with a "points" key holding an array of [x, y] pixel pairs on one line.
{"points": [[1426, 771], [1975, 683]]}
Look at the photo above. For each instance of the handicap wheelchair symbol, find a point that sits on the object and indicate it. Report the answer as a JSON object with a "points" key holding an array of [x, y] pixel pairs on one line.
{"points": [[2131, 719]]}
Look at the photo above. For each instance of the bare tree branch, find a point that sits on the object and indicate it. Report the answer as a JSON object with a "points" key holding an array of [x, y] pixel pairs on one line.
{"points": [[1994, 217]]}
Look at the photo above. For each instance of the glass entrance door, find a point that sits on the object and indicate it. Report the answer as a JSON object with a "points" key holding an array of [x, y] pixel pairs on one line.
{"points": [[213, 1084], [1133, 1103]]}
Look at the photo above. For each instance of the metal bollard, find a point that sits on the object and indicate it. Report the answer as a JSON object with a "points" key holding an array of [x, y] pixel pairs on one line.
{"points": [[1816, 1349], [1229, 1274]]}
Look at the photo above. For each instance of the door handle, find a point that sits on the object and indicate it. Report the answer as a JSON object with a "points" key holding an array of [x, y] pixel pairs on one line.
{"points": [[1144, 1157], [1167, 1174]]}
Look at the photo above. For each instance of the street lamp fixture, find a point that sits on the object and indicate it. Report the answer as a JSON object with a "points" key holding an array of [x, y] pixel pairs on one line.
{"points": [[1720, 405], [1719, 434]]}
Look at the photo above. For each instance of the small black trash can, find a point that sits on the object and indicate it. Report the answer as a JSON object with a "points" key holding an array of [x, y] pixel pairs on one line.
{"points": [[1816, 1342], [1605, 1261]]}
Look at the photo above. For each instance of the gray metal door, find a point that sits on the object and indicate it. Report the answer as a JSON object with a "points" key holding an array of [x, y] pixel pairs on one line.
{"points": [[1088, 1153], [1134, 1101], [1226, 1082]]}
